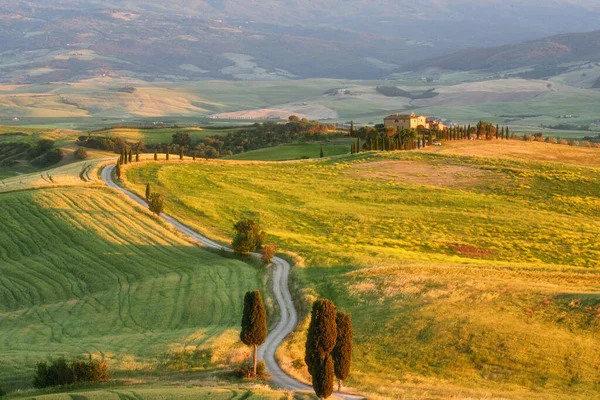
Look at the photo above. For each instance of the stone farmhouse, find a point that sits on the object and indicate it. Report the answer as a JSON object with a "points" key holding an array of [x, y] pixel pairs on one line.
{"points": [[412, 121]]}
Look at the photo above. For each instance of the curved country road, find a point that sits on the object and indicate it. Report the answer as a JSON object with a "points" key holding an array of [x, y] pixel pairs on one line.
{"points": [[289, 316]]}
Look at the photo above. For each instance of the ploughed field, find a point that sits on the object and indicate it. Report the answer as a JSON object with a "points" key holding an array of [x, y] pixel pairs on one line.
{"points": [[85, 273], [463, 274]]}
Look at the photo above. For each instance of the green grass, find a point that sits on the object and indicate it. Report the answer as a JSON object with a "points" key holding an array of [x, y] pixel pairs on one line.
{"points": [[160, 135], [463, 274], [85, 273], [161, 393], [295, 151]]}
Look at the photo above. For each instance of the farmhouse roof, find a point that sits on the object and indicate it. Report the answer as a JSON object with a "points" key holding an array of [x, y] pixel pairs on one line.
{"points": [[401, 116]]}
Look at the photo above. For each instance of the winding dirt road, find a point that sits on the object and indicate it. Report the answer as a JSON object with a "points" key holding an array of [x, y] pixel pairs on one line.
{"points": [[289, 316]]}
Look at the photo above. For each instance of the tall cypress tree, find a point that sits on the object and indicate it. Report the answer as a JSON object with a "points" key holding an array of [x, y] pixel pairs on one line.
{"points": [[507, 133], [323, 377], [342, 352], [254, 323], [194, 155], [118, 171], [155, 155], [130, 156], [497, 131], [148, 191], [137, 156], [167, 155], [322, 333], [181, 153], [322, 154]]}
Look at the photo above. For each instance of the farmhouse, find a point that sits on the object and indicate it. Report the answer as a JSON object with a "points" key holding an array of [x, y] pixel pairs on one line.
{"points": [[412, 121]]}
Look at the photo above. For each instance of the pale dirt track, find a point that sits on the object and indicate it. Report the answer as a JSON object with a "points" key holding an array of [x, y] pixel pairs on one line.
{"points": [[288, 314]]}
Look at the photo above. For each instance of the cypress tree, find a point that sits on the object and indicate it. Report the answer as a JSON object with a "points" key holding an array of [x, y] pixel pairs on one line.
{"points": [[358, 145], [194, 155], [130, 156], [118, 171], [497, 131], [352, 148], [181, 153], [155, 155], [323, 378], [507, 133], [167, 155], [137, 156], [147, 190], [322, 334], [502, 132], [342, 352], [322, 154], [254, 323]]}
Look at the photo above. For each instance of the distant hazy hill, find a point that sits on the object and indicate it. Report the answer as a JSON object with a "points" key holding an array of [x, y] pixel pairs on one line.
{"points": [[545, 54], [49, 40]]}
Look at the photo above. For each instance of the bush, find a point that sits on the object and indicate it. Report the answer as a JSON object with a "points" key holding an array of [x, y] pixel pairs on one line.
{"points": [[248, 236], [563, 141], [586, 144], [268, 253], [574, 143], [59, 373], [156, 203], [540, 139], [80, 154], [246, 370], [551, 140]]}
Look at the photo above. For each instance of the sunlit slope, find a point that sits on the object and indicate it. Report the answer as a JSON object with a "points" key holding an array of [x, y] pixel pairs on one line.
{"points": [[463, 274], [84, 272], [164, 393]]}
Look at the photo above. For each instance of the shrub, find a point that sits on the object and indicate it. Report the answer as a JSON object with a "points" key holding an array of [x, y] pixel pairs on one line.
{"points": [[539, 139], [246, 370], [59, 373], [248, 236], [551, 140], [156, 203], [586, 144], [574, 143], [595, 145], [268, 253], [563, 141], [80, 154]]}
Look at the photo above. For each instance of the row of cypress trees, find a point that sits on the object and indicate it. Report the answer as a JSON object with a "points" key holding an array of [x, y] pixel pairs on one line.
{"points": [[410, 139]]}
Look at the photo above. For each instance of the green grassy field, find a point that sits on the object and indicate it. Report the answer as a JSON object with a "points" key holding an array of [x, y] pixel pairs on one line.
{"points": [[84, 273], [295, 151], [163, 393], [463, 274]]}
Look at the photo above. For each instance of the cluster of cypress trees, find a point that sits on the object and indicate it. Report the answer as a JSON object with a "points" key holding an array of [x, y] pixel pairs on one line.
{"points": [[328, 347], [483, 130]]}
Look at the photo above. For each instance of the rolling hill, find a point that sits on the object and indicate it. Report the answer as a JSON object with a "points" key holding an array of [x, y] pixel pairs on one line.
{"points": [[545, 56], [463, 271]]}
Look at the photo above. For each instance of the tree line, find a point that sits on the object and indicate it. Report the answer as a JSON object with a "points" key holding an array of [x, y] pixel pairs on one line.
{"points": [[384, 138], [257, 136]]}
